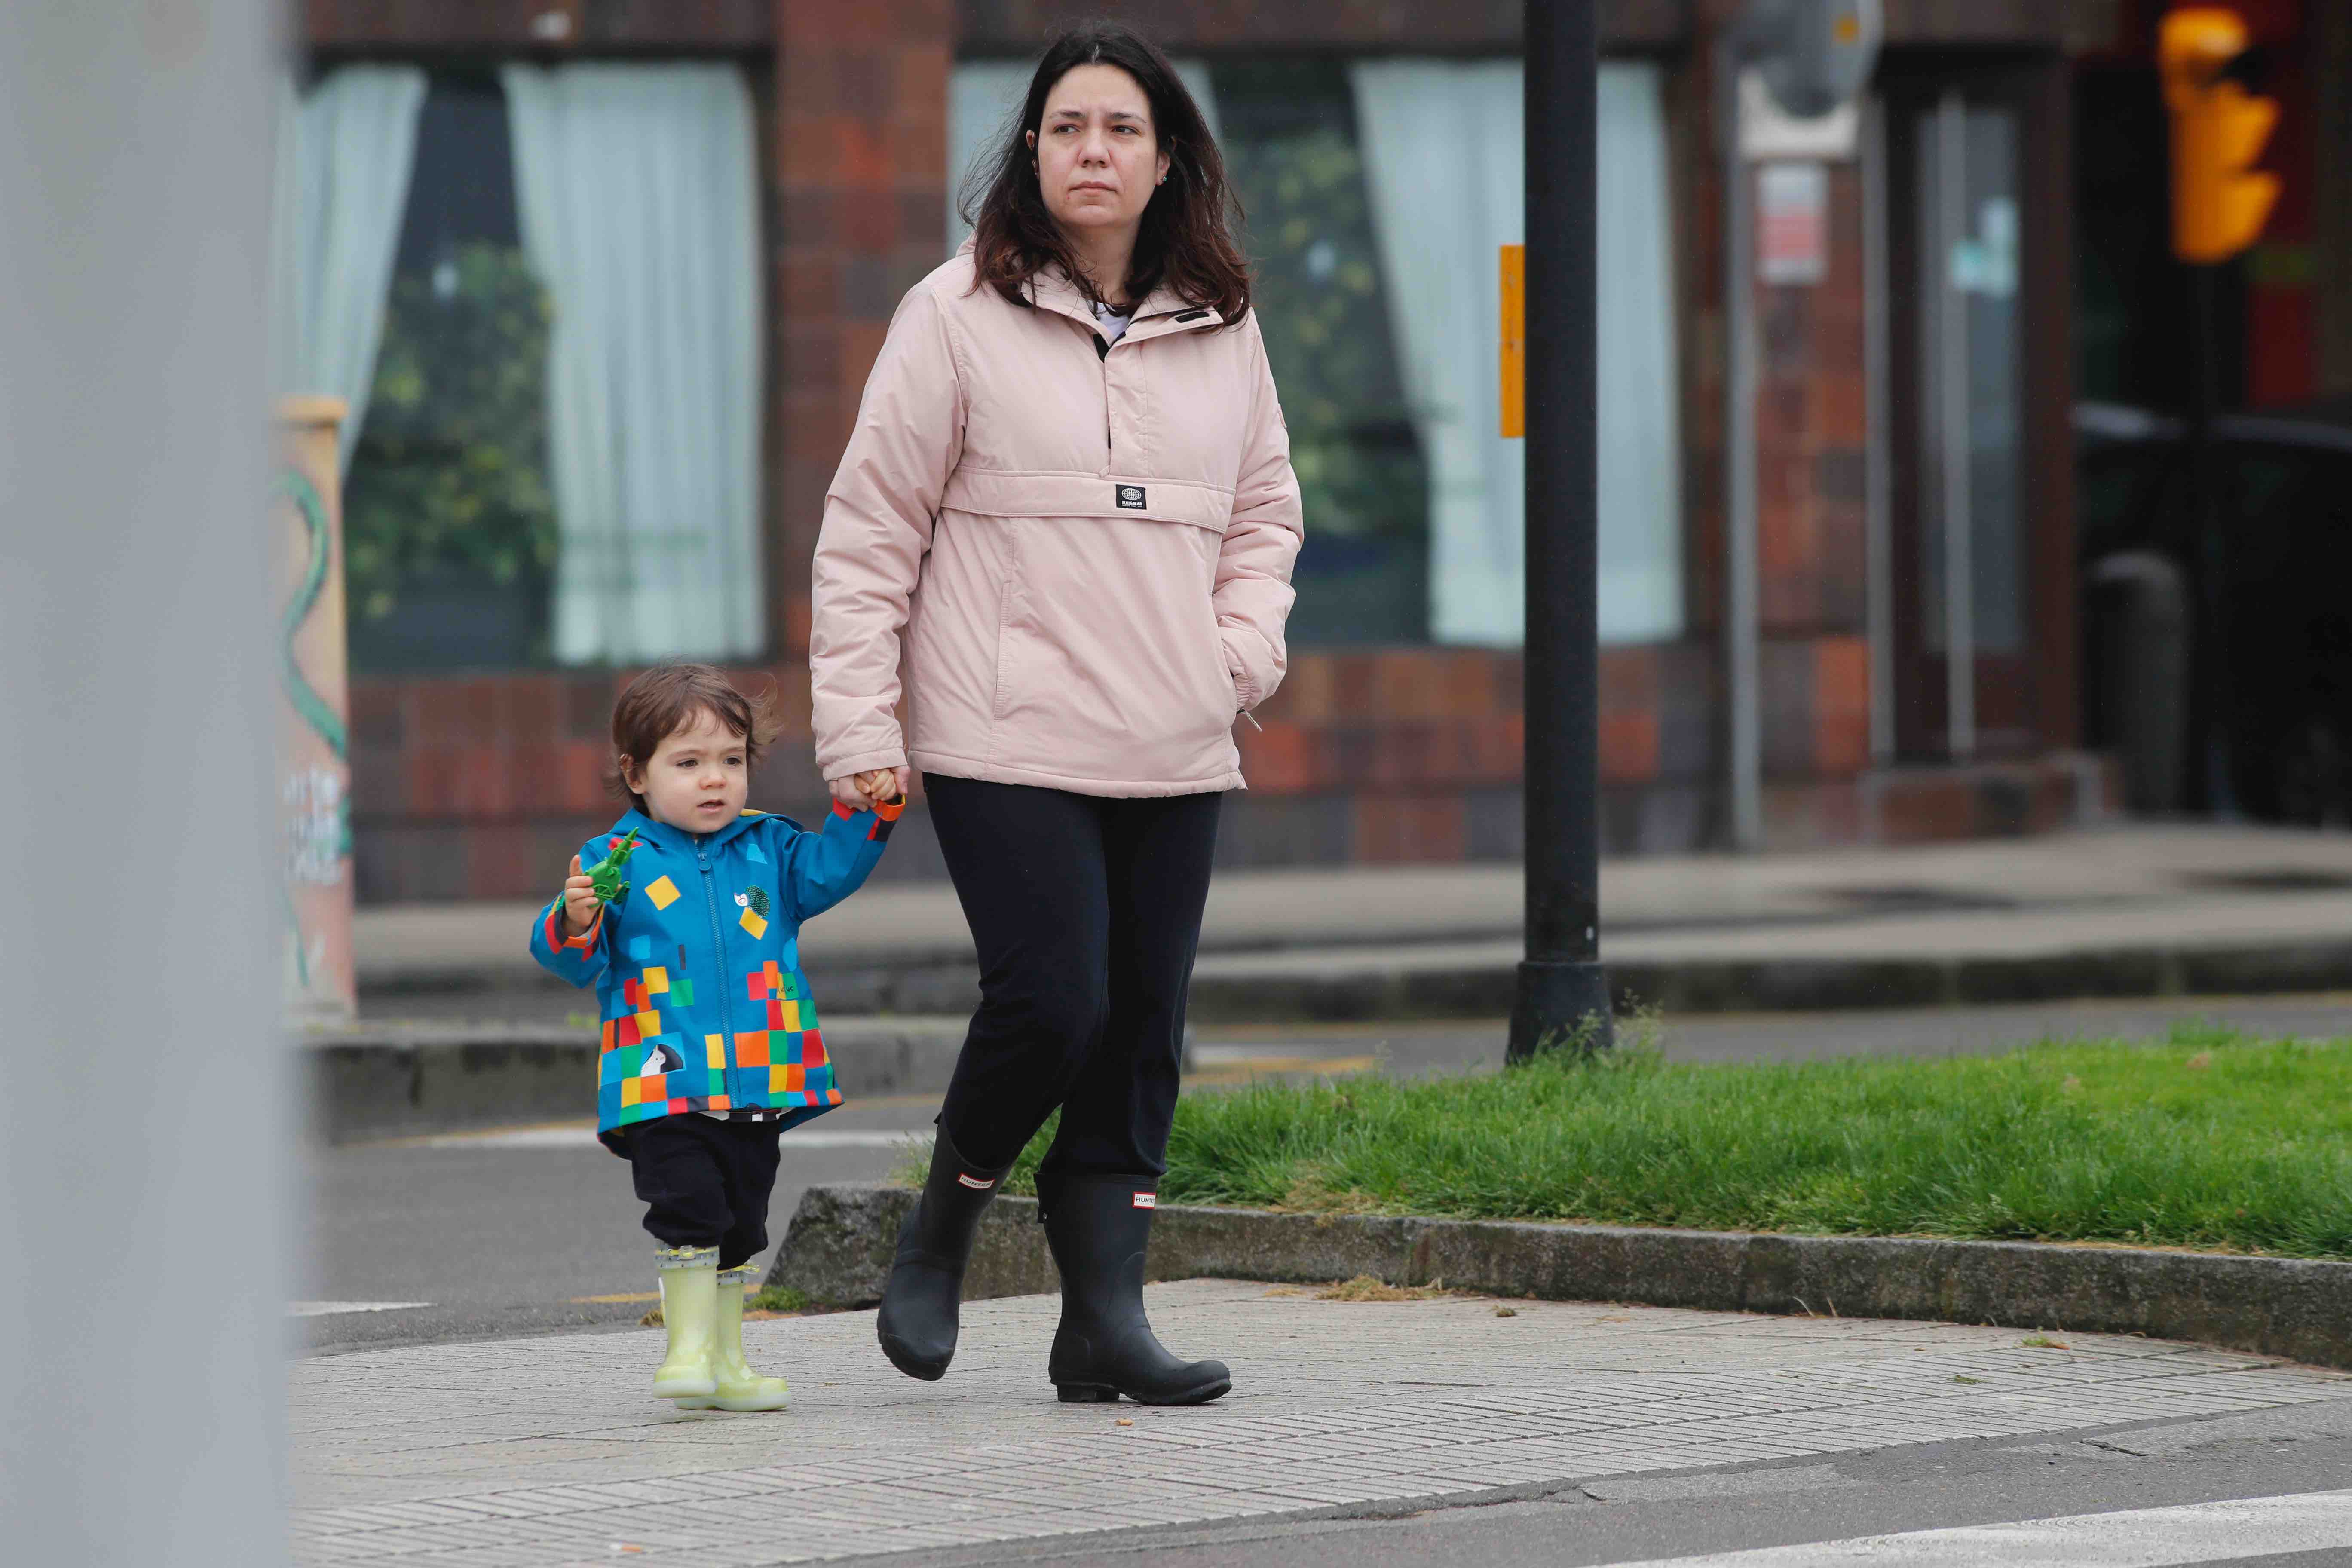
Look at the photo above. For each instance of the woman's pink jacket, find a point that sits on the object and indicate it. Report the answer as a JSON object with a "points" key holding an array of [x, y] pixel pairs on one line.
{"points": [[1080, 560]]}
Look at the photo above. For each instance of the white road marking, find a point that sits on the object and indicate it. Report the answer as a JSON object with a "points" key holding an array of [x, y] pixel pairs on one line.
{"points": [[586, 1138], [2137, 1538], [329, 1309]]}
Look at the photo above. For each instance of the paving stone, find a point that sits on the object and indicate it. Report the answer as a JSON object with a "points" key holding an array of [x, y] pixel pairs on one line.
{"points": [[532, 1452]]}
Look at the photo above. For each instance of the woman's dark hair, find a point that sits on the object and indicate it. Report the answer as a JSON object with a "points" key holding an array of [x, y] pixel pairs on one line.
{"points": [[1184, 242]]}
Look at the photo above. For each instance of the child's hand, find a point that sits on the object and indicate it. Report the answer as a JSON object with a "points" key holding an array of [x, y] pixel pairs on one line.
{"points": [[864, 791], [580, 900]]}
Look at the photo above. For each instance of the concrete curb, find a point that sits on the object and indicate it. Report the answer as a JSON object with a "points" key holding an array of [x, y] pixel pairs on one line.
{"points": [[838, 1251], [1485, 989], [387, 1080]]}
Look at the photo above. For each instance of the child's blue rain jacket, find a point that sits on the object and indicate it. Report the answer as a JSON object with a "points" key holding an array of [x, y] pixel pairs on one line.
{"points": [[697, 967]]}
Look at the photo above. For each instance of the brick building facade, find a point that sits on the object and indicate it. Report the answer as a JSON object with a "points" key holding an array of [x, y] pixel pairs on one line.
{"points": [[477, 785]]}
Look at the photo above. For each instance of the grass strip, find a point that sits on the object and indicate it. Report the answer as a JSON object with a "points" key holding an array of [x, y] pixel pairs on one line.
{"points": [[2207, 1140]]}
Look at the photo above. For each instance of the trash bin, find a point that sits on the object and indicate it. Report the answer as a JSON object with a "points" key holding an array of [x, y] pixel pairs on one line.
{"points": [[2137, 642]]}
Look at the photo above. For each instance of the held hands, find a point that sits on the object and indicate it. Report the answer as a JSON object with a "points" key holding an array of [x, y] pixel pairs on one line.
{"points": [[863, 792], [580, 900]]}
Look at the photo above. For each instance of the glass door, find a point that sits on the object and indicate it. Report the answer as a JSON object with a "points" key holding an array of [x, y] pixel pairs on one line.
{"points": [[1962, 467]]}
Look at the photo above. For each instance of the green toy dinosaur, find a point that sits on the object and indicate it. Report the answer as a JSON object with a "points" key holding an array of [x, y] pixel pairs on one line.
{"points": [[605, 876]]}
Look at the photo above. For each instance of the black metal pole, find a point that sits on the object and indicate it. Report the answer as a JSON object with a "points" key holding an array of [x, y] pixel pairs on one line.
{"points": [[1563, 993]]}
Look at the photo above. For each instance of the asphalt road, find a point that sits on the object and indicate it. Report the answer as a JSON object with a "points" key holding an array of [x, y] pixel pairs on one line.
{"points": [[498, 1235], [490, 1235], [1739, 1508]]}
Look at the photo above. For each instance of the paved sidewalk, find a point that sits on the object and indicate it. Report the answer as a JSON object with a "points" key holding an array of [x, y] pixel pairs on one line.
{"points": [[2128, 909], [547, 1451]]}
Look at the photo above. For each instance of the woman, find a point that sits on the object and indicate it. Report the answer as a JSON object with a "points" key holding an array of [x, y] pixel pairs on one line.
{"points": [[1068, 513]]}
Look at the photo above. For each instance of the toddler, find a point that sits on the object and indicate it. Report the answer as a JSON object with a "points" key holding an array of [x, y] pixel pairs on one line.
{"points": [[710, 1042]]}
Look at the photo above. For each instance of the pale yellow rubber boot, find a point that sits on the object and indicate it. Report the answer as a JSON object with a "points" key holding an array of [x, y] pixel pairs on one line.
{"points": [[689, 1293], [739, 1388]]}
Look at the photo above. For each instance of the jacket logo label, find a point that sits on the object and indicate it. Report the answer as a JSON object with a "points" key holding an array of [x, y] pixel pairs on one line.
{"points": [[1131, 496], [754, 898], [976, 1184], [1147, 1200]]}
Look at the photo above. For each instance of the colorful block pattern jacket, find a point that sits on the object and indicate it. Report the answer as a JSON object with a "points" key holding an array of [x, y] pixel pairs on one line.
{"points": [[697, 967]]}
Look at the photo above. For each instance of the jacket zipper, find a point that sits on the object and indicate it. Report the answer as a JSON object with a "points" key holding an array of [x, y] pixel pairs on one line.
{"points": [[1107, 464], [718, 951]]}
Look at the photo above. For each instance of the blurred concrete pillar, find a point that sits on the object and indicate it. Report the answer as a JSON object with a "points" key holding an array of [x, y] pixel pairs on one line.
{"points": [[145, 1224]]}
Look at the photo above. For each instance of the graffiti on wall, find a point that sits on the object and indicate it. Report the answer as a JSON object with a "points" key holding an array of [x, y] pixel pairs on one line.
{"points": [[313, 737]]}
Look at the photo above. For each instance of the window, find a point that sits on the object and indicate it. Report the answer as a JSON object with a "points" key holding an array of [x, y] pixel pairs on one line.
{"points": [[448, 518], [1378, 194], [1290, 147], [538, 289]]}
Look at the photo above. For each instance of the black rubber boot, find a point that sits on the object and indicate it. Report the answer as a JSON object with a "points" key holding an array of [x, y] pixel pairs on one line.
{"points": [[1100, 1227], [917, 1324]]}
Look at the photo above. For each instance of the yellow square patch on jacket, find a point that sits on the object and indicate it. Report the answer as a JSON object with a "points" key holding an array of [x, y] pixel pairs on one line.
{"points": [[753, 922], [661, 892], [656, 981], [714, 1051]]}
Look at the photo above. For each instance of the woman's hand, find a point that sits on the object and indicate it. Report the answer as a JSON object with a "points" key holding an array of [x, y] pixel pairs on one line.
{"points": [[580, 902], [863, 792]]}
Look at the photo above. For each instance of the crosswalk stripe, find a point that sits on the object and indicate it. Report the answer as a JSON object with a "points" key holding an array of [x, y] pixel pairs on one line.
{"points": [[2136, 1538], [329, 1309]]}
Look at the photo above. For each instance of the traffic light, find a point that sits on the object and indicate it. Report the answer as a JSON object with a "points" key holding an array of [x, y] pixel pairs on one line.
{"points": [[2219, 206]]}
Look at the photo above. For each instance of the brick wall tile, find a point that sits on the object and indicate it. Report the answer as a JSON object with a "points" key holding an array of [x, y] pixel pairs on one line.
{"points": [[529, 706], [485, 783], [1628, 747], [1495, 825], [1495, 747], [1913, 806], [1509, 674], [1845, 578], [1628, 678], [1394, 829], [1840, 705], [587, 709], [1355, 688], [803, 283], [1280, 761], [1353, 754], [1810, 815], [432, 787], [502, 863], [1467, 677], [1673, 818], [582, 768], [1785, 672], [1307, 693], [379, 712], [539, 784], [449, 713], [1839, 404], [816, 23], [379, 782], [1411, 684], [869, 222]]}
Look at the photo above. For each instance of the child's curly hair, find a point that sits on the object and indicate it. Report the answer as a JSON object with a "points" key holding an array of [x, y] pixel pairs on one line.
{"points": [[665, 699]]}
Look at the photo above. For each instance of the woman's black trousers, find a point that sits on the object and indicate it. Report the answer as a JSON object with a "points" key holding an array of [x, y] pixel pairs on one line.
{"points": [[1087, 912]]}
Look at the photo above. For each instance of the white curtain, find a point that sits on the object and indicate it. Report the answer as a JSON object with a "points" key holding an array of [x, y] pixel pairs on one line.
{"points": [[344, 152], [984, 95], [639, 205], [1445, 157]]}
